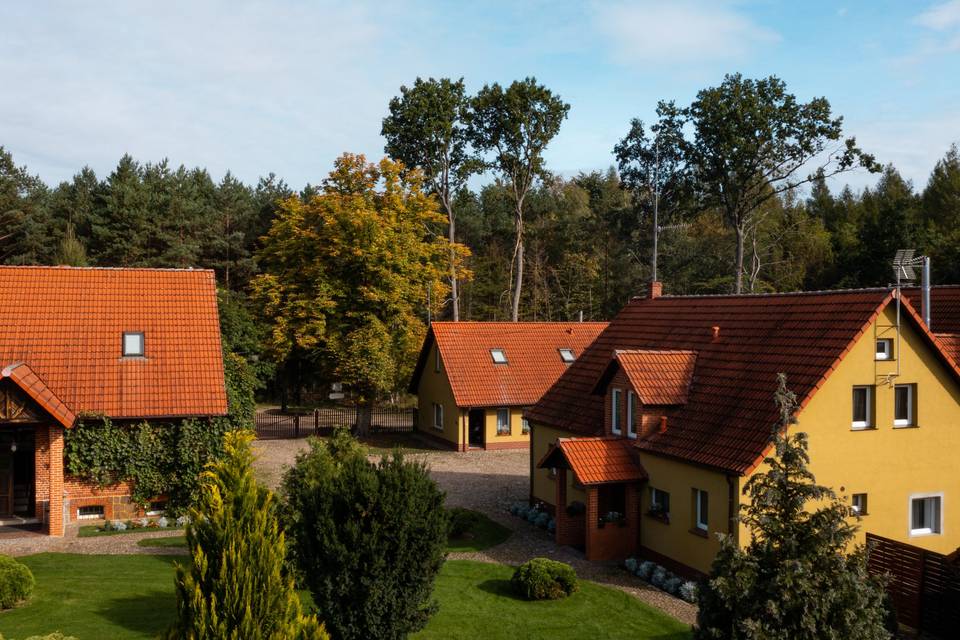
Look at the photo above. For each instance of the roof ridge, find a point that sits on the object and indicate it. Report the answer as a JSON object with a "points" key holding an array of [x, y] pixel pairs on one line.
{"points": [[69, 268], [519, 323], [775, 294]]}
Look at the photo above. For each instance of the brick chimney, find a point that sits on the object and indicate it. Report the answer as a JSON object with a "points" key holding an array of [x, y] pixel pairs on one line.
{"points": [[655, 290]]}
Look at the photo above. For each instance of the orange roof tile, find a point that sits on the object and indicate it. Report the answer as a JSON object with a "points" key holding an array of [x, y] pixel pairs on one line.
{"points": [[67, 324], [596, 460], [658, 377], [533, 357], [33, 386], [727, 420]]}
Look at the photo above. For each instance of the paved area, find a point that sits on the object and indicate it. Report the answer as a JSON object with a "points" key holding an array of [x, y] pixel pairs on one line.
{"points": [[27, 543], [490, 481]]}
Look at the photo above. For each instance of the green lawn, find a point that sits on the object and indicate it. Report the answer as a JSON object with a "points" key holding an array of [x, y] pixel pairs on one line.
{"points": [[131, 597], [172, 541]]}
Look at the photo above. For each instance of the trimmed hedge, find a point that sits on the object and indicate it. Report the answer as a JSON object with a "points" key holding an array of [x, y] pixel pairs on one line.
{"points": [[16, 582], [544, 579]]}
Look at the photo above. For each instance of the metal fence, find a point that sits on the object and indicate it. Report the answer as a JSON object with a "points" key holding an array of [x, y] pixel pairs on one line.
{"points": [[924, 586], [273, 425]]}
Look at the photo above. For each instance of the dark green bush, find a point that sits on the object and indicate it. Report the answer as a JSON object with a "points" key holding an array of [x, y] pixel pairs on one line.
{"points": [[544, 579], [369, 538], [463, 521], [16, 582]]}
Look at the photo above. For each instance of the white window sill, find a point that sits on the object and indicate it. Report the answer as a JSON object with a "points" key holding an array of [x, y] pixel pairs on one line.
{"points": [[861, 426], [923, 532], [899, 424]]}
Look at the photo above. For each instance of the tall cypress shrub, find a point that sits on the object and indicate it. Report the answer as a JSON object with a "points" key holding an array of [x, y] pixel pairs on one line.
{"points": [[795, 580], [369, 538], [235, 587]]}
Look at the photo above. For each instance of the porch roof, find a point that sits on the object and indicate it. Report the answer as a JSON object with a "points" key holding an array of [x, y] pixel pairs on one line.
{"points": [[596, 460], [31, 384]]}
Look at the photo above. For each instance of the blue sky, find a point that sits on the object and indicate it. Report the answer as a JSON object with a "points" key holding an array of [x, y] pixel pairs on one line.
{"points": [[285, 87]]}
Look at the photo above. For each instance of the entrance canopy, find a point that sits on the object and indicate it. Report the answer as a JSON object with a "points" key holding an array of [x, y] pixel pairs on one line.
{"points": [[30, 383], [596, 460]]}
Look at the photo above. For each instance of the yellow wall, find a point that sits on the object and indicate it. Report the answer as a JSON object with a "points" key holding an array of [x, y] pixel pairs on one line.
{"points": [[890, 464], [544, 487], [674, 539], [516, 427], [435, 388]]}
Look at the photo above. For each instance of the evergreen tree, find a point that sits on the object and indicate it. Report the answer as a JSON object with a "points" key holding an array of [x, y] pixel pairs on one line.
{"points": [[71, 252], [24, 218], [234, 587], [797, 578], [369, 538]]}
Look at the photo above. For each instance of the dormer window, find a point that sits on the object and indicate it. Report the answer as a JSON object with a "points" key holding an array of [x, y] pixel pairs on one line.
{"points": [[567, 356], [499, 356], [133, 344]]}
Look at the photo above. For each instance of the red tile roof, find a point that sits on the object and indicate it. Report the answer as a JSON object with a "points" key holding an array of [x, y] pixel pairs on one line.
{"points": [[944, 306], [596, 460], [66, 324], [659, 377], [533, 358], [727, 420], [24, 377]]}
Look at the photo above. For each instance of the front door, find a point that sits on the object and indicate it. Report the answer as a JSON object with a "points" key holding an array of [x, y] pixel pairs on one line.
{"points": [[6, 484], [477, 418]]}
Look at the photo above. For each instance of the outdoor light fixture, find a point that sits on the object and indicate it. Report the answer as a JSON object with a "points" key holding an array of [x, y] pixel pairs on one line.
{"points": [[13, 447]]}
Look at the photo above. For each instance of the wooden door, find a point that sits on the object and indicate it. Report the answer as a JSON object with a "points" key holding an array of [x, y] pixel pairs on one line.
{"points": [[477, 419], [6, 484]]}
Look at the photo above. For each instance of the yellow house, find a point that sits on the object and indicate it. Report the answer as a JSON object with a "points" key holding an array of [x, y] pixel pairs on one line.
{"points": [[687, 383], [473, 380]]}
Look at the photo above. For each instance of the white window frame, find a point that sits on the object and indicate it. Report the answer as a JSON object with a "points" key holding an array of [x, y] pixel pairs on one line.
{"points": [[437, 411], [925, 531], [862, 424], [860, 510], [152, 511], [631, 415], [702, 519], [130, 353], [653, 498], [499, 356], [524, 426], [567, 355], [887, 352], [616, 396], [908, 421], [500, 412]]}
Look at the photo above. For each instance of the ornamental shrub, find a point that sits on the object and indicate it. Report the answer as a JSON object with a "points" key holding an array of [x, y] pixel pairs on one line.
{"points": [[630, 564], [542, 519], [235, 586], [672, 585], [16, 582], [462, 521], [645, 570], [658, 577], [369, 537], [688, 591], [544, 579]]}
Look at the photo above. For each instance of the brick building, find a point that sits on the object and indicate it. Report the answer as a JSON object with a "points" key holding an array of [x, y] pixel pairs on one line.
{"points": [[131, 345]]}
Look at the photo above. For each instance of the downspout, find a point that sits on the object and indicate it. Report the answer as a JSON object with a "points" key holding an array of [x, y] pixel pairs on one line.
{"points": [[926, 293], [732, 508]]}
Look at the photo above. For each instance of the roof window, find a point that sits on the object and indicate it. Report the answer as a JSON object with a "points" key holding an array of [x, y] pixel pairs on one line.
{"points": [[499, 356], [133, 344], [567, 355]]}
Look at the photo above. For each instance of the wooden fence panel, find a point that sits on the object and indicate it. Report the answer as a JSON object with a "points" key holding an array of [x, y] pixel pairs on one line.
{"points": [[924, 586], [324, 421]]}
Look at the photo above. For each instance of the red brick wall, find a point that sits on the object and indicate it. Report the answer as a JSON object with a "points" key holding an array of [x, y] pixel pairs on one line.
{"points": [[115, 499], [613, 542], [570, 529]]}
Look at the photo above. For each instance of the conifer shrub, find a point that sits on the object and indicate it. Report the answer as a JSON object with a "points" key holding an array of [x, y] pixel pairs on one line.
{"points": [[369, 537], [462, 521], [235, 586], [16, 582], [544, 579]]}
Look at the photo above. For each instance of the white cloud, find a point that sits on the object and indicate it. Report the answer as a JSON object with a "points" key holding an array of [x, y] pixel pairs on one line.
{"points": [[684, 31], [940, 17]]}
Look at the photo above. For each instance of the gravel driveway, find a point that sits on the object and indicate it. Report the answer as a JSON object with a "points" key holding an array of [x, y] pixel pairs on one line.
{"points": [[490, 481]]}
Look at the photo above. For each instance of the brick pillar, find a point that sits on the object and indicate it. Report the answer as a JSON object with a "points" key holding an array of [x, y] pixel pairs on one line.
{"points": [[41, 472], [56, 481], [593, 513], [561, 519]]}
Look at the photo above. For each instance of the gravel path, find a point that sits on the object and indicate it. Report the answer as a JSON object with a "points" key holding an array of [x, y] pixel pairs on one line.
{"points": [[124, 543], [490, 481]]}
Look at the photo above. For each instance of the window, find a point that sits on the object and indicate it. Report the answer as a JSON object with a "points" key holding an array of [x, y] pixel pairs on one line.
{"points": [[903, 405], [862, 407], [858, 503], [438, 416], [615, 419], [92, 512], [499, 356], [503, 422], [631, 414], [884, 349], [133, 345], [925, 515], [567, 355], [524, 426], [659, 503], [157, 508], [436, 359], [701, 506]]}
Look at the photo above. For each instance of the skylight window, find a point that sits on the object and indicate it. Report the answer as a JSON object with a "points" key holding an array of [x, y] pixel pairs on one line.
{"points": [[499, 356], [133, 345], [567, 355]]}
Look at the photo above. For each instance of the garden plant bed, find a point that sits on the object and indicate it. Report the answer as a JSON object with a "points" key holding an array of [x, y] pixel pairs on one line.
{"points": [[482, 534], [95, 530], [131, 597]]}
